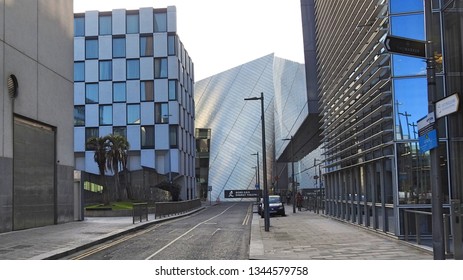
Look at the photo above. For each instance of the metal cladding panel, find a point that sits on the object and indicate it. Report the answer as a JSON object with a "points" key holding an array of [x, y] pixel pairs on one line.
{"points": [[236, 124], [290, 101]]}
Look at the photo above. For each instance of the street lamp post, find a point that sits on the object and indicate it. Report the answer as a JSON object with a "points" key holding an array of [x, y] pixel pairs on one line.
{"points": [[292, 173], [264, 163], [436, 184], [258, 175]]}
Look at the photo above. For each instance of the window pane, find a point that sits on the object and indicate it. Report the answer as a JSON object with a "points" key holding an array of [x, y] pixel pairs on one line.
{"points": [[411, 104], [105, 70], [414, 180], [119, 92], [91, 93], [160, 22], [79, 71], [408, 66], [147, 91], [120, 130], [118, 47], [162, 112], [79, 26], [79, 115], [146, 46], [106, 115], [91, 48], [90, 132], [409, 26], [173, 139], [147, 137], [171, 45], [133, 69], [132, 23], [160, 67], [105, 25], [172, 90], [401, 6], [133, 114]]}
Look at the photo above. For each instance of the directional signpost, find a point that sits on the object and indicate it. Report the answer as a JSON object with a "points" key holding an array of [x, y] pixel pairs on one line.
{"points": [[405, 46], [447, 105]]}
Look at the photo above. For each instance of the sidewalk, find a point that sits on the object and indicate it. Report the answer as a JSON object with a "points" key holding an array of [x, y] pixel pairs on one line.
{"points": [[301, 235], [309, 236]]}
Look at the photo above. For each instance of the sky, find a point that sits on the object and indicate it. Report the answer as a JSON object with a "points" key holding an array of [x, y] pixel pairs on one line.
{"points": [[222, 34]]}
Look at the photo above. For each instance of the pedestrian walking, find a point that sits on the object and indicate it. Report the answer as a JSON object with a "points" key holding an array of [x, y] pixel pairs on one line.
{"points": [[299, 201]]}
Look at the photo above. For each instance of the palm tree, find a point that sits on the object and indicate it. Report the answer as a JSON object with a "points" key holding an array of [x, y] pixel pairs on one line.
{"points": [[116, 155], [100, 146]]}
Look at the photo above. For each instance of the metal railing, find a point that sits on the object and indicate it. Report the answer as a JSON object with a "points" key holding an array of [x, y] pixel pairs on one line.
{"points": [[140, 211], [452, 230], [162, 209]]}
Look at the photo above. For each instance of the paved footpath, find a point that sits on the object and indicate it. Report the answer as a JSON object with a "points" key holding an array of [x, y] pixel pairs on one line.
{"points": [[308, 236], [298, 236]]}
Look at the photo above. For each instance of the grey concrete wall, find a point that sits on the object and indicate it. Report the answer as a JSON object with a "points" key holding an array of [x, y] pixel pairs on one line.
{"points": [[36, 45], [6, 194], [65, 193]]}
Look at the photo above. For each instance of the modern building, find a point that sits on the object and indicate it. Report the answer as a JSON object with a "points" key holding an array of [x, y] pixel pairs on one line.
{"points": [[235, 155], [371, 101], [133, 77], [36, 142]]}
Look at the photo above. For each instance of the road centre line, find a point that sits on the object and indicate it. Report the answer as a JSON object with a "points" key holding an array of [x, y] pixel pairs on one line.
{"points": [[190, 230]]}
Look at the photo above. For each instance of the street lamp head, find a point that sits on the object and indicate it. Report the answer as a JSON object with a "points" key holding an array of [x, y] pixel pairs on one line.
{"points": [[254, 154], [253, 98], [286, 139]]}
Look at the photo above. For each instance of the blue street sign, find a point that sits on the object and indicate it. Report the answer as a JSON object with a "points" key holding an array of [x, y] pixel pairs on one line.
{"points": [[428, 141], [257, 187]]}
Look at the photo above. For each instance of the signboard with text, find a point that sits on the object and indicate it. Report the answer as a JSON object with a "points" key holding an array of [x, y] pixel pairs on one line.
{"points": [[405, 46], [242, 193]]}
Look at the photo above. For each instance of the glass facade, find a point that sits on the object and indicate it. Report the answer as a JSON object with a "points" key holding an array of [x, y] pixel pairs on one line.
{"points": [[374, 172], [236, 124]]}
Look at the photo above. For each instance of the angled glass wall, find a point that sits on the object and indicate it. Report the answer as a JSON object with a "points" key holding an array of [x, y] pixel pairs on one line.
{"points": [[236, 124]]}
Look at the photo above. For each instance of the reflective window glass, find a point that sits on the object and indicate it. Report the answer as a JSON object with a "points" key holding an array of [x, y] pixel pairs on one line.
{"points": [[147, 91], [133, 69], [147, 137], [160, 22], [91, 132], [408, 66], [133, 113], [79, 26], [118, 47], [120, 130], [79, 115], [160, 68], [408, 26], [171, 45], [411, 104], [91, 48], [146, 45], [91, 93], [106, 71], [172, 90], [173, 136], [401, 6], [162, 112], [104, 24], [119, 92], [106, 114], [132, 23], [79, 71]]}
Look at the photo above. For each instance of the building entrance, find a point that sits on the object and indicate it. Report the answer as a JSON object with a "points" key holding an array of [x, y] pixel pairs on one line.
{"points": [[34, 190]]}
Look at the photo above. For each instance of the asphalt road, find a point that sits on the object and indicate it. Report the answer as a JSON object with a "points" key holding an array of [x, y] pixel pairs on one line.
{"points": [[220, 232]]}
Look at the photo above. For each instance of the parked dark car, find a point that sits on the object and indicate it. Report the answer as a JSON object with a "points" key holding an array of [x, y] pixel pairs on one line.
{"points": [[276, 206]]}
